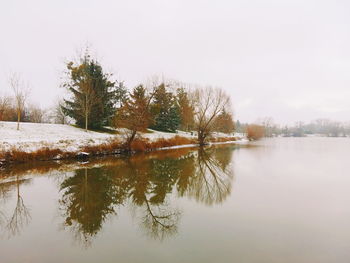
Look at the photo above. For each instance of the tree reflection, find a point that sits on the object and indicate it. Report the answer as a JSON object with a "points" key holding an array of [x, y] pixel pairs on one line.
{"points": [[148, 183], [21, 214], [211, 183], [160, 221], [89, 197]]}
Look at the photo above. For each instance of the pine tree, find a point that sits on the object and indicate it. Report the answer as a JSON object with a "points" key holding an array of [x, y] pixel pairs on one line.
{"points": [[165, 110], [93, 94]]}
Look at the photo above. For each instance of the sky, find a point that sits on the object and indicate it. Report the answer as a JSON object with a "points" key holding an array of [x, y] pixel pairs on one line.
{"points": [[288, 60]]}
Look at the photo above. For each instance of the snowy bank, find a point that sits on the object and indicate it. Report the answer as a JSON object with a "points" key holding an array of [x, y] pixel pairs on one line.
{"points": [[33, 136], [38, 141]]}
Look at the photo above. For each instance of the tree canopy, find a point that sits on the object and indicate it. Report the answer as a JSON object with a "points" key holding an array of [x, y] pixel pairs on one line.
{"points": [[93, 93]]}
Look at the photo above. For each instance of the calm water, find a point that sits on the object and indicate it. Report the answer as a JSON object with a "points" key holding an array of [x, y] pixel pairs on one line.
{"points": [[285, 200]]}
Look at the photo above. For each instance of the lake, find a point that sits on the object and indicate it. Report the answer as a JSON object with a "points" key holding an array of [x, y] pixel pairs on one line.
{"points": [[277, 200]]}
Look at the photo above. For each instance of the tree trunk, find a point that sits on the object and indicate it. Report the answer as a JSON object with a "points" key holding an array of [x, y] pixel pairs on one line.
{"points": [[132, 137], [86, 112], [86, 121], [201, 138], [18, 119]]}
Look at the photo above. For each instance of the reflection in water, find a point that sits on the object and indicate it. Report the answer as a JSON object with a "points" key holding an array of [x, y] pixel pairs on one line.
{"points": [[20, 216], [146, 183], [211, 183], [89, 197]]}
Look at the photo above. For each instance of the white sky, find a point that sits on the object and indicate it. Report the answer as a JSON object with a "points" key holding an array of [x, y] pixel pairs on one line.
{"points": [[289, 60]]}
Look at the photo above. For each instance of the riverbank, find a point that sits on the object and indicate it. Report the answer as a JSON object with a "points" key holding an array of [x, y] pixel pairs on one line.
{"points": [[55, 142]]}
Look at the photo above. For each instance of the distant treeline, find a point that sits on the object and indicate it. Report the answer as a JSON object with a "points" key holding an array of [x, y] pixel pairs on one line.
{"points": [[322, 127]]}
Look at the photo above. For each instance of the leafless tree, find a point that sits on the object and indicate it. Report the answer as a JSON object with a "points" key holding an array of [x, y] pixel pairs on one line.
{"points": [[4, 105], [21, 92], [59, 115], [88, 100], [208, 104], [36, 114], [268, 125], [21, 214]]}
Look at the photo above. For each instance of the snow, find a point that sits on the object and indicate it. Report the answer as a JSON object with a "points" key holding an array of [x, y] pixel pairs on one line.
{"points": [[154, 135], [33, 136]]}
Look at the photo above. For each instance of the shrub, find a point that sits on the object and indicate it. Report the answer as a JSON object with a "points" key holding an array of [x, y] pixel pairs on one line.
{"points": [[255, 132]]}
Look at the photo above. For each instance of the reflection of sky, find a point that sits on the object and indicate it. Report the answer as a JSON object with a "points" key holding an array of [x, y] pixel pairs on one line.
{"points": [[284, 59], [289, 203], [88, 198]]}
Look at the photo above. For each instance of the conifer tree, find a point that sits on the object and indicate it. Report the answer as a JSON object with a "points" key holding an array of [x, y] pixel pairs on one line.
{"points": [[165, 110], [93, 94]]}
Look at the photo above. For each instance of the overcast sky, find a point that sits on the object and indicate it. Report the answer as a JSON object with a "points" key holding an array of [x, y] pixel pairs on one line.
{"points": [[289, 60]]}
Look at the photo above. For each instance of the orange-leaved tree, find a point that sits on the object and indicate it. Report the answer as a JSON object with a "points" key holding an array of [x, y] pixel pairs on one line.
{"points": [[134, 115]]}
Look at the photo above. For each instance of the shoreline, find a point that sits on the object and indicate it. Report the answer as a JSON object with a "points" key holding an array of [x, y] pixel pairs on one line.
{"points": [[115, 148]]}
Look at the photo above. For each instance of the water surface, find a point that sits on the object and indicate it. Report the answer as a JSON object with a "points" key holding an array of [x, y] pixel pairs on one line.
{"points": [[284, 200]]}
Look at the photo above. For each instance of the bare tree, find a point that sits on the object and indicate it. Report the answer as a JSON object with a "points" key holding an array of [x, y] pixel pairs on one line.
{"points": [[4, 105], [208, 104], [268, 125], [21, 93], [35, 113], [21, 214], [59, 115]]}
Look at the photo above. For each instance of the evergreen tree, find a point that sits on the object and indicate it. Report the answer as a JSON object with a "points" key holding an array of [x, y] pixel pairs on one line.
{"points": [[165, 110], [94, 95]]}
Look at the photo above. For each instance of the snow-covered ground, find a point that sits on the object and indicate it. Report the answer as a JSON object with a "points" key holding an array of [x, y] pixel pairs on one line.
{"points": [[33, 136], [153, 135]]}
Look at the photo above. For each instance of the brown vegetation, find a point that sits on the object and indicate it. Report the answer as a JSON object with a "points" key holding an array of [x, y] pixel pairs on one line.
{"points": [[42, 154], [111, 147], [143, 145], [103, 149], [255, 132], [134, 115]]}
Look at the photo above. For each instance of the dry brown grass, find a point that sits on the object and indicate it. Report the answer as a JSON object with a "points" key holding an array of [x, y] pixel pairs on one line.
{"points": [[108, 148], [42, 154]]}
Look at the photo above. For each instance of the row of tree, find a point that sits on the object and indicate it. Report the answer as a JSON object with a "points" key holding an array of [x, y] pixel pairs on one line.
{"points": [[29, 112], [95, 101]]}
